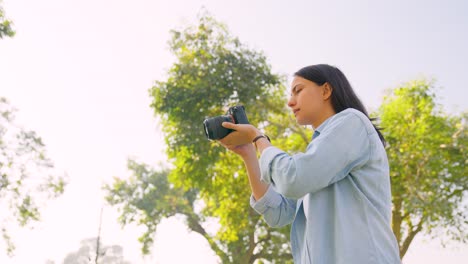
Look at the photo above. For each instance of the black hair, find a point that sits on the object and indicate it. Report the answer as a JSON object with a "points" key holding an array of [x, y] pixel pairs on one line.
{"points": [[343, 95]]}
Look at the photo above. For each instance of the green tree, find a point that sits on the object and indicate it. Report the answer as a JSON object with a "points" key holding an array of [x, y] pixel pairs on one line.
{"points": [[5, 25], [213, 70], [428, 158], [27, 178]]}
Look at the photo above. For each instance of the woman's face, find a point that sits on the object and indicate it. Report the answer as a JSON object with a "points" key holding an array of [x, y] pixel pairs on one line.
{"points": [[308, 100]]}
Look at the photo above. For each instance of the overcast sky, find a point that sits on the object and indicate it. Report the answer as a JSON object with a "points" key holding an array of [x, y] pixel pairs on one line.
{"points": [[79, 73]]}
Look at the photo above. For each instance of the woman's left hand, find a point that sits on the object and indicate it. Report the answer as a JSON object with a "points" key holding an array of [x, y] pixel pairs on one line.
{"points": [[243, 134]]}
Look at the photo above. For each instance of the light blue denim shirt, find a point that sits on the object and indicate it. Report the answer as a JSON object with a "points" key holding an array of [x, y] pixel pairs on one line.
{"points": [[344, 177]]}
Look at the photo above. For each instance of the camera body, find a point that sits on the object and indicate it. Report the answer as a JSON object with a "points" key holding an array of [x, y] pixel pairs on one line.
{"points": [[213, 128]]}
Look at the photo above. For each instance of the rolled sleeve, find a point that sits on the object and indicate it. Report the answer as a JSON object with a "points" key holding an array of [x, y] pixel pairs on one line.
{"points": [[266, 159], [270, 199], [277, 210]]}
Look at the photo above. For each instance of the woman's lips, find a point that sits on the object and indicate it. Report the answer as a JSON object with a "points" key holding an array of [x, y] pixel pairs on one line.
{"points": [[295, 111]]}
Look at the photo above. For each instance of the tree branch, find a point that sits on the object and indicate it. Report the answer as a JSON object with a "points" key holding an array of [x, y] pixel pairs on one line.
{"points": [[397, 219], [259, 255], [252, 246], [410, 238], [194, 225]]}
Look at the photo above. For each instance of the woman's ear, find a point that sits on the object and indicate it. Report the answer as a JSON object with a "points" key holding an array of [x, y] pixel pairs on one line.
{"points": [[326, 91]]}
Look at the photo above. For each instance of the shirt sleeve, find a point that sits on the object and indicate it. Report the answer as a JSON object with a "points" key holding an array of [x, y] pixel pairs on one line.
{"points": [[341, 146], [277, 210]]}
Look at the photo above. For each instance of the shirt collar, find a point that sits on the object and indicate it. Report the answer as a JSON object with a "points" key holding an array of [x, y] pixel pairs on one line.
{"points": [[320, 128]]}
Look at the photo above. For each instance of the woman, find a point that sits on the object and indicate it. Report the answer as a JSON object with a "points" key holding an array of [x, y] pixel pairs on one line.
{"points": [[337, 193]]}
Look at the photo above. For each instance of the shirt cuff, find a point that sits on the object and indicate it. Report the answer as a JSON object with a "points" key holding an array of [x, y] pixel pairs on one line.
{"points": [[271, 199], [266, 159]]}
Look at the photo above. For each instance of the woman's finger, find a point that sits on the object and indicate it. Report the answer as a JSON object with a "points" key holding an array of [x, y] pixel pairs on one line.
{"points": [[229, 125], [226, 145]]}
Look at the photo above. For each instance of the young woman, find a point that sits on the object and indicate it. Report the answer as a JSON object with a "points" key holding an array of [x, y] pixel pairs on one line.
{"points": [[337, 193]]}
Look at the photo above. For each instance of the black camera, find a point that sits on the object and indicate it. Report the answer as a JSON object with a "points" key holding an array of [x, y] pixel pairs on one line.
{"points": [[213, 128]]}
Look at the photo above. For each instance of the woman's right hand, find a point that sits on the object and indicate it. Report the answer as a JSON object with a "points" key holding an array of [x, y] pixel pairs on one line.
{"points": [[244, 151]]}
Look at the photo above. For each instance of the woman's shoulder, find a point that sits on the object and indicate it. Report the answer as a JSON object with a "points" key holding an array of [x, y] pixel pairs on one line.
{"points": [[355, 116]]}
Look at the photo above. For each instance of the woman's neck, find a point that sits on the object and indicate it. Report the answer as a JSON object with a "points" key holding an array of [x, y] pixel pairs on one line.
{"points": [[328, 113]]}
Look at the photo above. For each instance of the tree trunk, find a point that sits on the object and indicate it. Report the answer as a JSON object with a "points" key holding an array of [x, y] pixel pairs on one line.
{"points": [[409, 238], [397, 221], [194, 225]]}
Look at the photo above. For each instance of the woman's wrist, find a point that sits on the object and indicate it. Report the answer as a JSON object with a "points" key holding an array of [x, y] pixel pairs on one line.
{"points": [[262, 144], [251, 153], [254, 133]]}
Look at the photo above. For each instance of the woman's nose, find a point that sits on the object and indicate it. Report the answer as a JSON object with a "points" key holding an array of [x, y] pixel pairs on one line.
{"points": [[291, 102]]}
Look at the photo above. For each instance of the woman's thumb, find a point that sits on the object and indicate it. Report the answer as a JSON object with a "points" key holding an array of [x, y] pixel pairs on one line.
{"points": [[229, 125]]}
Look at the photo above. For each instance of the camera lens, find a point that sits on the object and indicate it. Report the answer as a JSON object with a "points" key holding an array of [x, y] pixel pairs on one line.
{"points": [[213, 128]]}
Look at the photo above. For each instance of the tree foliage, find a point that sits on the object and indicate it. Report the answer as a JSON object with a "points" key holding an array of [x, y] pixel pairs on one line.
{"points": [[427, 152], [6, 29], [27, 178]]}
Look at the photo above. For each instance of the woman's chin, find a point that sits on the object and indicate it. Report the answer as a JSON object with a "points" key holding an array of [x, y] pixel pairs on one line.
{"points": [[302, 122]]}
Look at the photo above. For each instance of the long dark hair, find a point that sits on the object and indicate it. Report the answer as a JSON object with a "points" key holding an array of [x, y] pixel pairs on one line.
{"points": [[343, 95]]}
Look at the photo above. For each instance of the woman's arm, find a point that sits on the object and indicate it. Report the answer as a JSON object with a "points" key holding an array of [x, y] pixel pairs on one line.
{"points": [[341, 147], [262, 144], [252, 166], [276, 209]]}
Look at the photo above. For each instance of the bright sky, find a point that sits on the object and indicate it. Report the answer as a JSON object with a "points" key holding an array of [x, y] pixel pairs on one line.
{"points": [[79, 73]]}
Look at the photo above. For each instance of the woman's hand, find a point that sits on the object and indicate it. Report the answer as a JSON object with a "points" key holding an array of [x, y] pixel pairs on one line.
{"points": [[243, 134], [245, 151]]}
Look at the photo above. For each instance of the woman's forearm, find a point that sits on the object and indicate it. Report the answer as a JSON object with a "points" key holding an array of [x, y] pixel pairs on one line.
{"points": [[258, 187], [262, 144]]}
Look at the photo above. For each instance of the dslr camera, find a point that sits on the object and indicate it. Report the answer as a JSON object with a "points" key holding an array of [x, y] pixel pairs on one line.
{"points": [[213, 128]]}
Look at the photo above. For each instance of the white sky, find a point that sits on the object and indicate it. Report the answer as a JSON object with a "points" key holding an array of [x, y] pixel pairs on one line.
{"points": [[79, 73]]}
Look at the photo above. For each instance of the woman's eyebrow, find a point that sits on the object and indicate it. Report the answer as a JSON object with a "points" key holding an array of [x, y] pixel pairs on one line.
{"points": [[293, 90]]}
